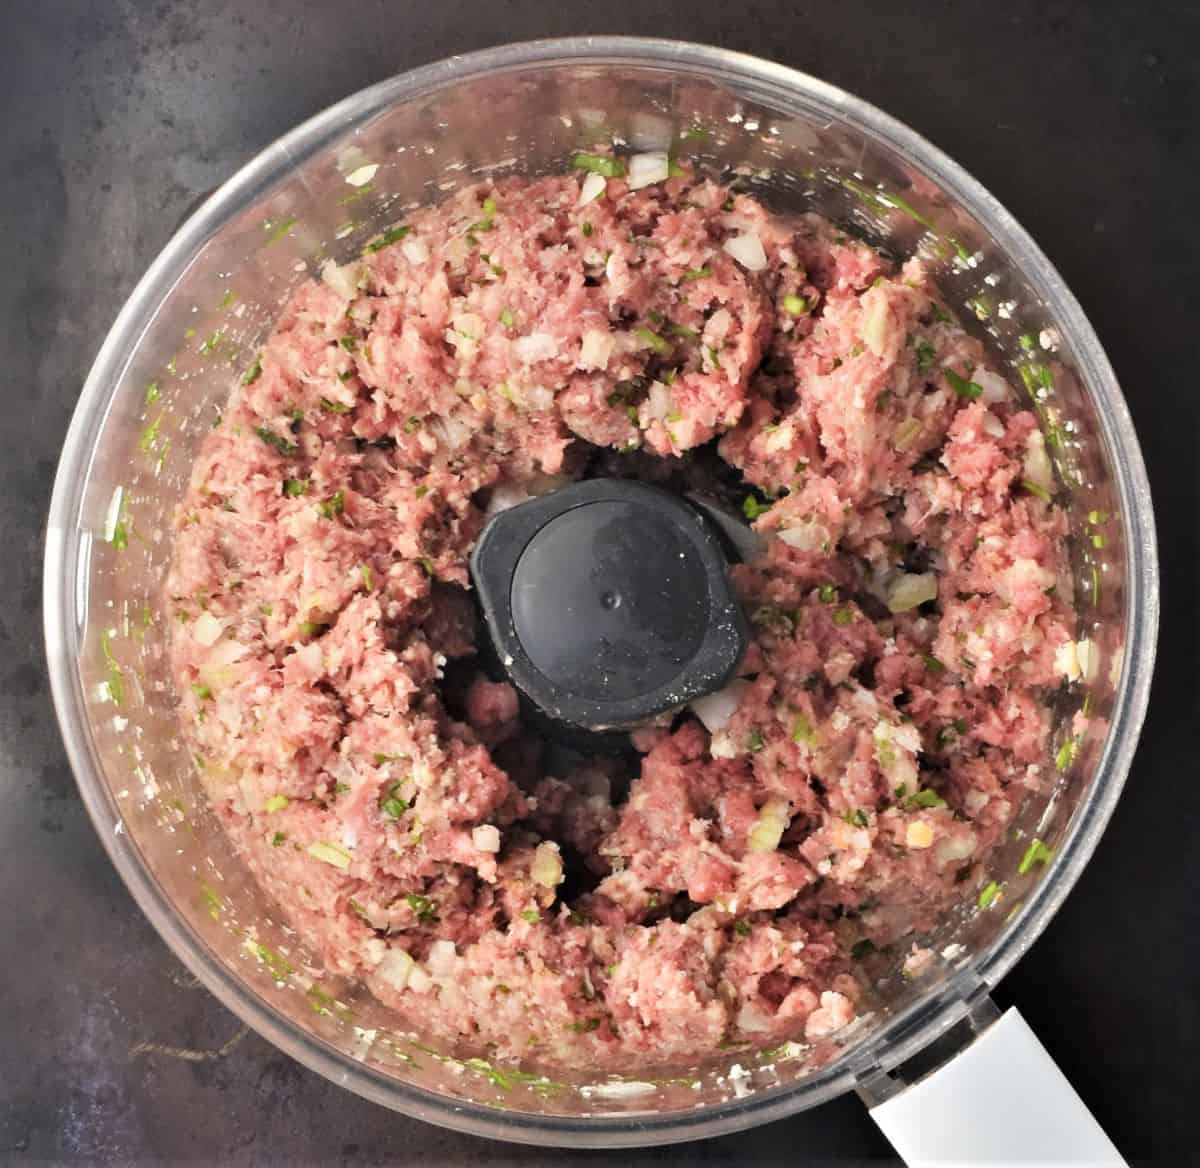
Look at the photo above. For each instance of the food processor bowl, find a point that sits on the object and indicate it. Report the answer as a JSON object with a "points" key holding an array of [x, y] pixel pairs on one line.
{"points": [[194, 323]]}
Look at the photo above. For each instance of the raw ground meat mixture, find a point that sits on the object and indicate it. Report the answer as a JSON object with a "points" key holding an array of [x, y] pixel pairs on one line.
{"points": [[910, 615]]}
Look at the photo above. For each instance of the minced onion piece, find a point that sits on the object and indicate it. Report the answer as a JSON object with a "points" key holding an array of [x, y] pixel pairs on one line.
{"points": [[363, 175], [503, 497], [716, 709], [596, 349], [113, 515], [1037, 469], [906, 433], [751, 1020], [547, 867], [659, 401], [918, 835], [995, 388], [330, 854], [649, 168], [442, 958], [1089, 658], [592, 188], [396, 968], [747, 249], [536, 347], [207, 630], [991, 425], [419, 981], [486, 837], [415, 249], [768, 829], [910, 590], [808, 537], [954, 847], [343, 278]]}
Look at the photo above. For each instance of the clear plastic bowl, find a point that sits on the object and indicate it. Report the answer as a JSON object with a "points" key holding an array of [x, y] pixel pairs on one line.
{"points": [[196, 319]]}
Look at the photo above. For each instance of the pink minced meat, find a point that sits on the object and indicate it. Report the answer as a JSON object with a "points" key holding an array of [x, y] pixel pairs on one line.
{"points": [[386, 791]]}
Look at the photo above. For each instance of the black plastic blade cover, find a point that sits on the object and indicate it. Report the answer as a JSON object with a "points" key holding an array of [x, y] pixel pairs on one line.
{"points": [[608, 602]]}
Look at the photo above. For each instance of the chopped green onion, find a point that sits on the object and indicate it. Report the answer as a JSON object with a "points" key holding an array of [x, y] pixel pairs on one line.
{"points": [[203, 692], [802, 730], [277, 839], [584, 1027], [152, 393], [932, 663], [391, 804], [1036, 489], [961, 385], [295, 487], [275, 803], [600, 164], [334, 407], [331, 854], [1036, 853], [364, 570], [531, 915], [310, 628], [277, 442], [116, 679], [742, 928], [587, 229], [651, 338], [412, 425], [827, 593], [752, 508], [680, 330], [333, 506], [843, 616], [1066, 753], [988, 896], [696, 273], [755, 741], [425, 909], [925, 355], [856, 818], [796, 305], [926, 798], [506, 318], [392, 235]]}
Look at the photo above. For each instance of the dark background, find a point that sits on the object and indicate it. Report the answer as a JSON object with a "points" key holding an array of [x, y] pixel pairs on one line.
{"points": [[1080, 118]]}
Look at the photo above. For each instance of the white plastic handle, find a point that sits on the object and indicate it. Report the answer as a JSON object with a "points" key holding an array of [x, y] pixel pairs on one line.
{"points": [[1001, 1102]]}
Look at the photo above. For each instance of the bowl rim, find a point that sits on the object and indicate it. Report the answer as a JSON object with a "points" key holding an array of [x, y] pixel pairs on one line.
{"points": [[68, 546]]}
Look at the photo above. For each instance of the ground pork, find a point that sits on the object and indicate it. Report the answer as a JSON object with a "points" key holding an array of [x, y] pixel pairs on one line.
{"points": [[908, 612]]}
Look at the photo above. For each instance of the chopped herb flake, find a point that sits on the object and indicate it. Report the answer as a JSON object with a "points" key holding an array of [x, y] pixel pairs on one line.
{"points": [[295, 487], [796, 305]]}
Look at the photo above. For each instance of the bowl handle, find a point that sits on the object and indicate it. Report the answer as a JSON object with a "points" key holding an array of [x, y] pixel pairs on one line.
{"points": [[1001, 1100]]}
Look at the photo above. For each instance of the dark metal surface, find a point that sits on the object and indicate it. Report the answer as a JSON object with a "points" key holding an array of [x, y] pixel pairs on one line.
{"points": [[118, 115]]}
